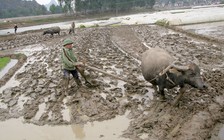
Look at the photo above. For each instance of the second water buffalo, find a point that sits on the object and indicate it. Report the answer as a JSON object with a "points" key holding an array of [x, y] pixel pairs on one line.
{"points": [[52, 31], [158, 69]]}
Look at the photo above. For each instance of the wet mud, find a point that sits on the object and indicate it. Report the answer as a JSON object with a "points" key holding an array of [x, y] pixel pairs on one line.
{"points": [[39, 98]]}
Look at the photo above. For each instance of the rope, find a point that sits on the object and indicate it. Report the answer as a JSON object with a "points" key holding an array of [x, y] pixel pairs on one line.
{"points": [[163, 71]]}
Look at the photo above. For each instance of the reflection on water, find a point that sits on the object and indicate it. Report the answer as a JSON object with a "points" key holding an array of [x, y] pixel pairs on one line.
{"points": [[78, 131], [105, 130], [15, 129]]}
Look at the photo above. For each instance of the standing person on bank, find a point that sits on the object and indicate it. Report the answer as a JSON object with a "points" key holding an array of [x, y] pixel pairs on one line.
{"points": [[15, 28], [72, 28], [71, 65]]}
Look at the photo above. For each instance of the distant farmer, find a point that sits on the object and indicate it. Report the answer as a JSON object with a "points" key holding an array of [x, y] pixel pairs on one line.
{"points": [[72, 28], [71, 65], [15, 28]]}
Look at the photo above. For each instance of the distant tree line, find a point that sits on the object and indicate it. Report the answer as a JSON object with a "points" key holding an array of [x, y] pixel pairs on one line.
{"points": [[55, 9], [98, 6], [16, 8]]}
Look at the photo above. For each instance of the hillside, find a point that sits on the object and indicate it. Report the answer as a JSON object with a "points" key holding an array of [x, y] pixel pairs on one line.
{"points": [[18, 8]]}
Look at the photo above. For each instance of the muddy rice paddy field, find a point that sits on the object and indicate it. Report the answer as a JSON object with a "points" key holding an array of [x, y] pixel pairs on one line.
{"points": [[34, 93]]}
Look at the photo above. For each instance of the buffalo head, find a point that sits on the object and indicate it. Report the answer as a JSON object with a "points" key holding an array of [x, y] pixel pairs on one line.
{"points": [[45, 32], [191, 76]]}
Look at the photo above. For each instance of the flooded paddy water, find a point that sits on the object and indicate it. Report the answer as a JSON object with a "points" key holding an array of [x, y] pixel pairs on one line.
{"points": [[214, 29], [106, 130], [33, 106]]}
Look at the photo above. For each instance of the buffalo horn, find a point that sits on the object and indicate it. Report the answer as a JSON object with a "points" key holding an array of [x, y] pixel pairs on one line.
{"points": [[183, 68]]}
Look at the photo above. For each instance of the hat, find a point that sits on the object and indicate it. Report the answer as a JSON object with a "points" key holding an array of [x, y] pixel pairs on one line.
{"points": [[67, 41]]}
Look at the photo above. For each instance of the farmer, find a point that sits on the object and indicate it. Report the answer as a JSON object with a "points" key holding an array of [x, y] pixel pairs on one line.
{"points": [[15, 28], [71, 65], [72, 28]]}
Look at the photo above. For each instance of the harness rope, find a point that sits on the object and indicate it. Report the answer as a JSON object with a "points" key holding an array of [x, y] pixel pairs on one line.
{"points": [[67, 56], [162, 73]]}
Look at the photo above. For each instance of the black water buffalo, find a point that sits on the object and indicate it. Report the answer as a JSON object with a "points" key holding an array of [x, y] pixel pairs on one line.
{"points": [[158, 69], [52, 31]]}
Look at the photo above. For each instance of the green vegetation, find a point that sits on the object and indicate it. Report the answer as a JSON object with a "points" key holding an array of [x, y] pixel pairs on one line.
{"points": [[55, 9], [82, 26], [162, 22], [95, 25], [4, 61]]}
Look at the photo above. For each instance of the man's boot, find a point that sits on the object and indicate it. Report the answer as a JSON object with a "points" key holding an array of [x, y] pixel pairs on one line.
{"points": [[65, 85], [78, 82]]}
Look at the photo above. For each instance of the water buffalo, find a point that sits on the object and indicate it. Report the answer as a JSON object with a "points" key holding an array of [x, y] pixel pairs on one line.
{"points": [[158, 69], [52, 31]]}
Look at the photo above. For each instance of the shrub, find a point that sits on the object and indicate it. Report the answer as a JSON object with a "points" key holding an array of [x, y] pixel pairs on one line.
{"points": [[82, 26], [162, 22]]}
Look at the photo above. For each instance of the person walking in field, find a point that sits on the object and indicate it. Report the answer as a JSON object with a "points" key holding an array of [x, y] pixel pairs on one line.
{"points": [[71, 65]]}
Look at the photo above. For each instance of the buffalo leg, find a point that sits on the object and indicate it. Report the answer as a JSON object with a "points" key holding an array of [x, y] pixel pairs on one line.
{"points": [[161, 93], [182, 90]]}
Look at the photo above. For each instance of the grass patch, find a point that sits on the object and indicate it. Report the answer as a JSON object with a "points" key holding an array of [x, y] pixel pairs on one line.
{"points": [[4, 61]]}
